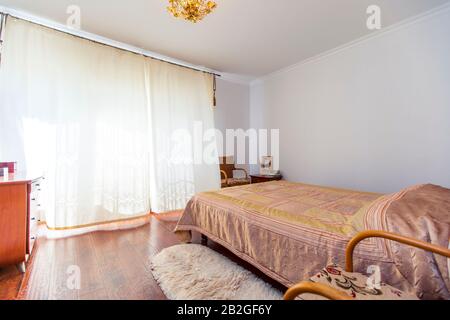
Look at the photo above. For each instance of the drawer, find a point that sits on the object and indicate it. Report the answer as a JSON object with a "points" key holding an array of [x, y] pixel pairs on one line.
{"points": [[35, 208], [34, 219], [259, 180], [34, 213], [31, 244], [33, 228], [35, 200], [32, 234], [263, 179], [36, 186]]}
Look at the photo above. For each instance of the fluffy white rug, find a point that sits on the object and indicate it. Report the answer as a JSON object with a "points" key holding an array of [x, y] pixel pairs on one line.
{"points": [[194, 272]]}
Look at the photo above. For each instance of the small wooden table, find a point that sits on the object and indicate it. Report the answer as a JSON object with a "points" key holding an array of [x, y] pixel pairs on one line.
{"points": [[257, 178]]}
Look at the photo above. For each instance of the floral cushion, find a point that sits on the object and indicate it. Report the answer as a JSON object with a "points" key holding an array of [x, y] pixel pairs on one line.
{"points": [[356, 285]]}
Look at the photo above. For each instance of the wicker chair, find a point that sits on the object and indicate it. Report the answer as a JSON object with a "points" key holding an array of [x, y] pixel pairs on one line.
{"points": [[227, 170], [328, 283]]}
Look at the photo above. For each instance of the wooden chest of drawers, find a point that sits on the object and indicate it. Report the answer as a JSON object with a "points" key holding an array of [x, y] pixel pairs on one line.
{"points": [[19, 213]]}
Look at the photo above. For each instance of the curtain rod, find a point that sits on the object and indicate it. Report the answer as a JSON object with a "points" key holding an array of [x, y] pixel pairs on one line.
{"points": [[137, 51]]}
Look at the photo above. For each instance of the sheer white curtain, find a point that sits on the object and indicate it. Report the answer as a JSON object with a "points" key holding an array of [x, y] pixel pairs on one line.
{"points": [[98, 122], [184, 160]]}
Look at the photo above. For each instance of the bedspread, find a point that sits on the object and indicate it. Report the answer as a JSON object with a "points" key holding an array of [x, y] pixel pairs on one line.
{"points": [[291, 230]]}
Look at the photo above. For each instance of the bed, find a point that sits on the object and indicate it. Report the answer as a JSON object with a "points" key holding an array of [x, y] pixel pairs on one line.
{"points": [[291, 230]]}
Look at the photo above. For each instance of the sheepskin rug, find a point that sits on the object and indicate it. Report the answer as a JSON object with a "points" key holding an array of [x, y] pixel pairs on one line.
{"points": [[195, 272]]}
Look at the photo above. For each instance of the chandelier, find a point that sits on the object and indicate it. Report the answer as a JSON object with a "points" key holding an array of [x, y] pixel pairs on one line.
{"points": [[191, 10]]}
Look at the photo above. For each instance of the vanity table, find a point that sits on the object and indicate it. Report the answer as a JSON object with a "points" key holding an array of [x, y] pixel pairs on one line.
{"points": [[19, 208]]}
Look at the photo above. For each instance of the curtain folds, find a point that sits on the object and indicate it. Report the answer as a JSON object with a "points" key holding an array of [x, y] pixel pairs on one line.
{"points": [[178, 134], [102, 124]]}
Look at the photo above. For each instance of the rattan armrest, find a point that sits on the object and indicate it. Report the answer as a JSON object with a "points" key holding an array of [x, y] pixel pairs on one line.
{"points": [[390, 236], [315, 288], [224, 174]]}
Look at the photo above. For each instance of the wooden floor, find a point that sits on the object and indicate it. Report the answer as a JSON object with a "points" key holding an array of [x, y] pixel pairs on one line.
{"points": [[10, 281], [113, 265]]}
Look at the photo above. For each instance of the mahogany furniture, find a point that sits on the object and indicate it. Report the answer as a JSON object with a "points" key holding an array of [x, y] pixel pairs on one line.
{"points": [[19, 207], [257, 178], [332, 293], [227, 169]]}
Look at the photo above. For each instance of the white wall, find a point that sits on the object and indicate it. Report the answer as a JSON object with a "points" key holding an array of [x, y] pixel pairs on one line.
{"points": [[232, 112], [374, 116]]}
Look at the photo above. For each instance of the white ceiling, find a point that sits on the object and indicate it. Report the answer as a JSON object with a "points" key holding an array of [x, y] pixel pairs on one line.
{"points": [[246, 37]]}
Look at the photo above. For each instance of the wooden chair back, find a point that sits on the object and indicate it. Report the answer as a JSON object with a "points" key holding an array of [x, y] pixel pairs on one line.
{"points": [[227, 165]]}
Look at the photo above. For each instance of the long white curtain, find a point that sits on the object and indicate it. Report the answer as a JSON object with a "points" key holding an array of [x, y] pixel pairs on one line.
{"points": [[102, 124], [182, 123]]}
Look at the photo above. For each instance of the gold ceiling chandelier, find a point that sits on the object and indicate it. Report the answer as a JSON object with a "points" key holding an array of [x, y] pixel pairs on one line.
{"points": [[191, 10]]}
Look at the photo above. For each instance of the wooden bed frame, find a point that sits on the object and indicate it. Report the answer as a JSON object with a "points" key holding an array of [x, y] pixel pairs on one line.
{"points": [[204, 240]]}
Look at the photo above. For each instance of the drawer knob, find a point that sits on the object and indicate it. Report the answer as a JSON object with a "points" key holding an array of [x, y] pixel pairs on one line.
{"points": [[33, 238], [33, 219]]}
